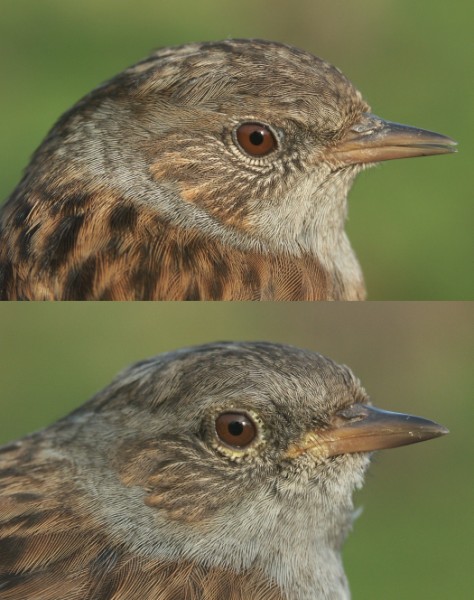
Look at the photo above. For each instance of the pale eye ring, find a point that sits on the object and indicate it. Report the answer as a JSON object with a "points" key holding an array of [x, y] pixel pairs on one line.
{"points": [[236, 429]]}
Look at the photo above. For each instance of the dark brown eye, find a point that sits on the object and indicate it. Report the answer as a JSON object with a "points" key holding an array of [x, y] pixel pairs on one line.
{"points": [[236, 429], [255, 139]]}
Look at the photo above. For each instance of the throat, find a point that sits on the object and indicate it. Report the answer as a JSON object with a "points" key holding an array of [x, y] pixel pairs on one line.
{"points": [[309, 221], [311, 569]]}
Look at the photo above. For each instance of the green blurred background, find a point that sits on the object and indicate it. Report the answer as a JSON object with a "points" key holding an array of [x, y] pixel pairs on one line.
{"points": [[410, 221], [414, 538]]}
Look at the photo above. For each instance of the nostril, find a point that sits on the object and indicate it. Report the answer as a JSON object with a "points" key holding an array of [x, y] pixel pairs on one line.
{"points": [[354, 412]]}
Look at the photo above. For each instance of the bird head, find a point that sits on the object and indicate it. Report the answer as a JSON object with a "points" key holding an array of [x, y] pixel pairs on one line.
{"points": [[253, 142], [235, 455]]}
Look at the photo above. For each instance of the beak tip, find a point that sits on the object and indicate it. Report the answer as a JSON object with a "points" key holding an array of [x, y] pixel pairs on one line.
{"points": [[447, 145], [427, 426], [453, 147], [428, 431]]}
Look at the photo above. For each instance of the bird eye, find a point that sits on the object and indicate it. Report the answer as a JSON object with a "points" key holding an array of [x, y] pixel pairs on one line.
{"points": [[255, 139], [236, 429]]}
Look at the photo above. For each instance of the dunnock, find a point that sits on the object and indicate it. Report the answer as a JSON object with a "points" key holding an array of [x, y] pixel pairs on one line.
{"points": [[214, 171], [218, 472]]}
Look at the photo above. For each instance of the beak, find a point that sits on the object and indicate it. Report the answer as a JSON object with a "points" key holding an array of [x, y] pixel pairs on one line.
{"points": [[363, 428], [372, 140]]}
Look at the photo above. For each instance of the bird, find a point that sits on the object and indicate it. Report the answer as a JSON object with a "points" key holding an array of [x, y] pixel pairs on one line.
{"points": [[207, 171], [224, 470]]}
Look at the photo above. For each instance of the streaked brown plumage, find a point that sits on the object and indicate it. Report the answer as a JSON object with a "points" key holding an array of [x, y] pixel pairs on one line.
{"points": [[143, 190], [149, 492]]}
